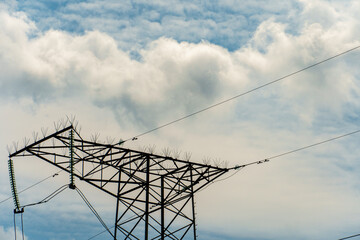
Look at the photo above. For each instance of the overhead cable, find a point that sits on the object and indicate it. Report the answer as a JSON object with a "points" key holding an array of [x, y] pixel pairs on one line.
{"points": [[104, 231], [94, 236], [49, 197], [22, 226], [37, 183], [31, 186], [241, 94], [357, 235], [295, 150], [93, 210], [15, 225]]}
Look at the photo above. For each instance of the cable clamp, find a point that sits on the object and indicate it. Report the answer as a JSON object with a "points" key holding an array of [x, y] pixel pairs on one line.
{"points": [[18, 210], [238, 167], [263, 161]]}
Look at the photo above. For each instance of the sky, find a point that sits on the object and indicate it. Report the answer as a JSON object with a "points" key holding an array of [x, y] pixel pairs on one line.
{"points": [[124, 67]]}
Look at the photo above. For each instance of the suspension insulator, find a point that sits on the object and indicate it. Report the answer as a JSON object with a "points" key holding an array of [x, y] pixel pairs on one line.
{"points": [[13, 186], [71, 162]]}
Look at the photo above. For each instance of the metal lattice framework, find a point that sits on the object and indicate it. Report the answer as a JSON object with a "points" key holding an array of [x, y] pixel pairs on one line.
{"points": [[155, 194]]}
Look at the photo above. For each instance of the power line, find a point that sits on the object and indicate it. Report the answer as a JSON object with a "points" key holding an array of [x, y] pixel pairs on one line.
{"points": [[350, 237], [22, 226], [241, 94], [15, 225], [94, 236], [37, 183], [295, 150], [239, 167], [49, 197], [100, 233], [223, 179], [93, 210]]}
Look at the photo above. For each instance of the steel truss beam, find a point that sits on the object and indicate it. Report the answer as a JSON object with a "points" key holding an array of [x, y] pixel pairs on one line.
{"points": [[155, 194]]}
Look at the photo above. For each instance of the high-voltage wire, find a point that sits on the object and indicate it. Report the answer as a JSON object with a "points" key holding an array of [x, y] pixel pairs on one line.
{"points": [[94, 236], [22, 226], [15, 225], [49, 197], [31, 186], [241, 94], [239, 167], [93, 210], [295, 150], [356, 235]]}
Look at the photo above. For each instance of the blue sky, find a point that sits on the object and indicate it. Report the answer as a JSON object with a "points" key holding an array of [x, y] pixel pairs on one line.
{"points": [[125, 67], [136, 23]]}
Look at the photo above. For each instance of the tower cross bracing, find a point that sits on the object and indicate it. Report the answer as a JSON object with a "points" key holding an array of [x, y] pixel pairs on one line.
{"points": [[154, 194]]}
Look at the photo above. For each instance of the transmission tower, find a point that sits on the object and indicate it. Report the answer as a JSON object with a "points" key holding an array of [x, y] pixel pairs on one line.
{"points": [[154, 194]]}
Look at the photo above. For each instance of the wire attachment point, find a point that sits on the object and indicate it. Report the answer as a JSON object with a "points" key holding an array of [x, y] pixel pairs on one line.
{"points": [[18, 210], [263, 161], [237, 167]]}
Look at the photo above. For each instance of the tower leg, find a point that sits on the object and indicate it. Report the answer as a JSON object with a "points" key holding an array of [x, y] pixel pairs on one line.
{"points": [[117, 206], [193, 212], [193, 204], [162, 209], [147, 198]]}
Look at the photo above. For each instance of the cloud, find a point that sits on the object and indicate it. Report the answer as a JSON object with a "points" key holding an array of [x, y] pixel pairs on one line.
{"points": [[57, 64], [172, 76], [8, 233]]}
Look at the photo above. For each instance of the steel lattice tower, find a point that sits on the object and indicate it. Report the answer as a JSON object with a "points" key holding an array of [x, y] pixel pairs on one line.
{"points": [[154, 194]]}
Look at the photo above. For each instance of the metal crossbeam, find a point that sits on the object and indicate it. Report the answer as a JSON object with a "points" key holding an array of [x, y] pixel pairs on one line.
{"points": [[155, 194]]}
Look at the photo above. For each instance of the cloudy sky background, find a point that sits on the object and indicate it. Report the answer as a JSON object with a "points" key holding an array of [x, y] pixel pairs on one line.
{"points": [[126, 67]]}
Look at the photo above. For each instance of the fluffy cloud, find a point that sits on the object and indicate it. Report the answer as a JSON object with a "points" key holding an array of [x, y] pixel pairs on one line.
{"points": [[58, 64], [8, 233], [178, 77]]}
